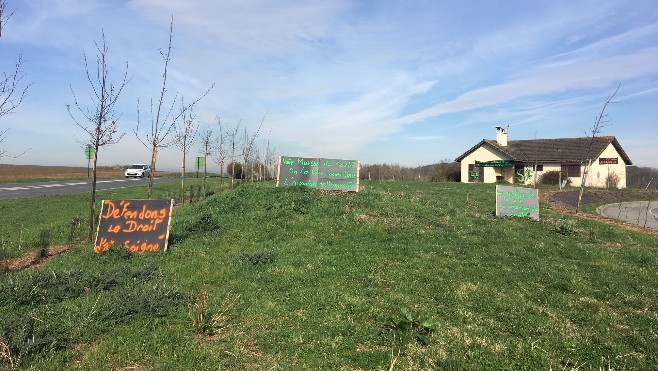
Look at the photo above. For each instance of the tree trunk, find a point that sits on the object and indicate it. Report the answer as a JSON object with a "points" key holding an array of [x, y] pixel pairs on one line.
{"points": [[205, 172], [582, 184], [182, 179], [154, 156], [92, 205]]}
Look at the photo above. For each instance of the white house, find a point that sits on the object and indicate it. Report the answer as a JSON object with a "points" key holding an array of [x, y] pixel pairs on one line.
{"points": [[525, 161]]}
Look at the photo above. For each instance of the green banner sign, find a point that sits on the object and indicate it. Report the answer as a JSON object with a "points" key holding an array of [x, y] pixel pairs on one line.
{"points": [[494, 163], [322, 173], [89, 152], [200, 163]]}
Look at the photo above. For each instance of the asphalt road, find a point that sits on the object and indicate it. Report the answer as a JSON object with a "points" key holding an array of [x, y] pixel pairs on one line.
{"points": [[642, 213], [23, 190]]}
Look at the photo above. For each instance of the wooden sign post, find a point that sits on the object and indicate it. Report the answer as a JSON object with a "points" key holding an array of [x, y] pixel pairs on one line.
{"points": [[137, 225]]}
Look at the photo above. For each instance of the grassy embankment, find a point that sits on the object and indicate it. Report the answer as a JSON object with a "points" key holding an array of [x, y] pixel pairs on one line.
{"points": [[408, 275]]}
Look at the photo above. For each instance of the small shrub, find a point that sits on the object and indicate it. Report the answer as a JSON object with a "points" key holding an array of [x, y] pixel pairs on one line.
{"points": [[5, 355], [259, 257], [142, 299], [31, 332], [612, 180], [191, 193], [447, 172], [203, 321], [203, 222], [410, 326], [118, 252], [45, 239], [565, 229], [75, 223]]}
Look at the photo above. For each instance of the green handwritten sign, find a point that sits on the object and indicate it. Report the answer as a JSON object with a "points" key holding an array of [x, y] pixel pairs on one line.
{"points": [[494, 163], [517, 201], [322, 173], [200, 163], [137, 225], [89, 152]]}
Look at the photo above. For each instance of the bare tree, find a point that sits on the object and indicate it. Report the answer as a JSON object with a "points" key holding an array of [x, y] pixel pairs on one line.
{"points": [[249, 152], [270, 160], [220, 150], [163, 120], [4, 15], [599, 124], [12, 90], [232, 139], [184, 137], [100, 119], [206, 144]]}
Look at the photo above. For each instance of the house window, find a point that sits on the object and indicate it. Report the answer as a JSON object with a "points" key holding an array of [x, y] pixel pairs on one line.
{"points": [[538, 167], [475, 174], [572, 171]]}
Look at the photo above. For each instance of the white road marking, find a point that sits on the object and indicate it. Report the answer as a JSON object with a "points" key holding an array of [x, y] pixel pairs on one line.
{"points": [[57, 185], [13, 188]]}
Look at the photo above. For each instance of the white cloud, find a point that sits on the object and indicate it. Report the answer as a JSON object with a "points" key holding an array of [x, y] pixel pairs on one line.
{"points": [[346, 76]]}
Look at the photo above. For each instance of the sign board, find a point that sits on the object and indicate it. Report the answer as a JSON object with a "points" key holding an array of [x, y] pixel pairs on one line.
{"points": [[137, 225], [200, 163], [89, 152], [517, 201], [608, 161], [494, 163], [322, 173]]}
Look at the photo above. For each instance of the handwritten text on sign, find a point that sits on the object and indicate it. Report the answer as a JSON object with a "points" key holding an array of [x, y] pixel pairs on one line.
{"points": [[138, 225], [517, 201], [323, 173]]}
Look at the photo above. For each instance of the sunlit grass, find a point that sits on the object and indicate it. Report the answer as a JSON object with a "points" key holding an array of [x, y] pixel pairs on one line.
{"points": [[315, 279]]}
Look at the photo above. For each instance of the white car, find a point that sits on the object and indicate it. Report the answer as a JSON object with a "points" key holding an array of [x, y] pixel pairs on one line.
{"points": [[138, 171]]}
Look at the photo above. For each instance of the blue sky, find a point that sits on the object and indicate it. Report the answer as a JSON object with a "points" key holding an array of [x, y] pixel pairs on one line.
{"points": [[401, 82]]}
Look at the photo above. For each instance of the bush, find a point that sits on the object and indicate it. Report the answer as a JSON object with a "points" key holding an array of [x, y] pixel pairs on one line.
{"points": [[553, 178], [259, 257], [612, 180], [447, 172], [202, 222]]}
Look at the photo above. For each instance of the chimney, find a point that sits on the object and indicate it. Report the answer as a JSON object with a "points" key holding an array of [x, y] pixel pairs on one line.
{"points": [[501, 136]]}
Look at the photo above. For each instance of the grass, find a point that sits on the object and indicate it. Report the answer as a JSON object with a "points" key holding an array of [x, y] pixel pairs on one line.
{"points": [[407, 275]]}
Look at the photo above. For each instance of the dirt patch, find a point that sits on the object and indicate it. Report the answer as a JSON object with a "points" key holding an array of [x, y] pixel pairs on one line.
{"points": [[33, 259]]}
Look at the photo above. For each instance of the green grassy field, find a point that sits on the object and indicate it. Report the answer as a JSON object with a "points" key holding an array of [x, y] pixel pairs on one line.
{"points": [[401, 275]]}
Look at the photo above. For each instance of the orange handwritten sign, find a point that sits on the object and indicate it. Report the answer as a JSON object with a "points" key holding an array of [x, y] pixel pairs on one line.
{"points": [[138, 225]]}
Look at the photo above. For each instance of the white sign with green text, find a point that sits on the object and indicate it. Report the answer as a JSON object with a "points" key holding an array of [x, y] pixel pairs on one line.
{"points": [[517, 201]]}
